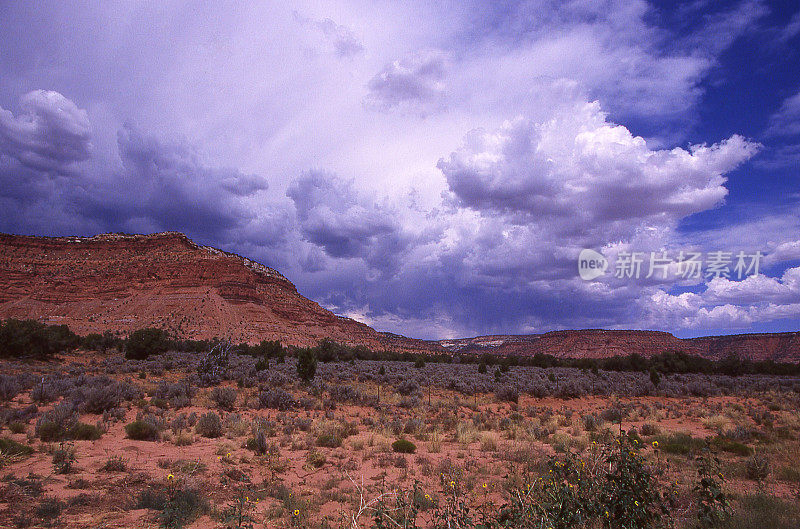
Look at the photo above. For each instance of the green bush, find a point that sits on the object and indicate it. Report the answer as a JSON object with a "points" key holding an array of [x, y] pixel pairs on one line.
{"points": [[268, 349], [175, 506], [85, 432], [19, 338], [306, 364], [209, 425], [64, 459], [100, 342], [757, 467], [50, 508], [679, 444], [140, 430], [761, 511], [144, 342], [404, 446], [10, 447], [732, 447]]}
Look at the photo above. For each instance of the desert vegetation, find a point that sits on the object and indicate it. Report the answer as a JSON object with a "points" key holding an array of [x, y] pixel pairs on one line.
{"points": [[212, 434]]}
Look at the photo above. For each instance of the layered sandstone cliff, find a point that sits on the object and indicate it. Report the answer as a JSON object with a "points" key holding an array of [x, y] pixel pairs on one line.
{"points": [[124, 282]]}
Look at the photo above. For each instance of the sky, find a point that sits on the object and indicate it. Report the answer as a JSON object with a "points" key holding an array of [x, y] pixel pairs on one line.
{"points": [[432, 169]]}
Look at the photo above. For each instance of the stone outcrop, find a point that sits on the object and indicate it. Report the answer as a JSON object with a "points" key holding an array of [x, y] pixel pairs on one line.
{"points": [[124, 282]]}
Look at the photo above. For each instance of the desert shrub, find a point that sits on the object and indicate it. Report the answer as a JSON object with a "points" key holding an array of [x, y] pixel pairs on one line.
{"points": [[64, 458], [114, 464], [316, 459], [55, 424], [591, 422], [761, 511], [209, 425], [407, 387], [100, 394], [419, 363], [176, 506], [344, 393], [404, 446], [18, 416], [258, 443], [44, 393], [276, 399], [224, 398], [178, 394], [17, 427], [144, 342], [306, 364], [507, 394], [12, 451], [9, 388], [679, 443], [732, 447], [84, 432], [612, 414], [19, 338], [213, 367], [262, 364], [49, 508], [100, 342], [268, 349], [650, 429], [331, 434], [144, 428], [757, 467]]}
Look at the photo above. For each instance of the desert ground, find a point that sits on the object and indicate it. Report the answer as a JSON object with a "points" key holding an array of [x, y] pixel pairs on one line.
{"points": [[95, 440]]}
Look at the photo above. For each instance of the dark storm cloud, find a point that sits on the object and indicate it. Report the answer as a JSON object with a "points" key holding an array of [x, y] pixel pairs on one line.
{"points": [[486, 242], [165, 186], [45, 166], [332, 215]]}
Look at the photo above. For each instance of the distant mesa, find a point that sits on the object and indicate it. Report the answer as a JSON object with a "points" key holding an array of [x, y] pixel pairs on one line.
{"points": [[122, 282]]}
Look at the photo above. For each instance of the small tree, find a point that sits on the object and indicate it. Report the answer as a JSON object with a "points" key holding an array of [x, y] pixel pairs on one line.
{"points": [[306, 364], [655, 377], [144, 342], [268, 349]]}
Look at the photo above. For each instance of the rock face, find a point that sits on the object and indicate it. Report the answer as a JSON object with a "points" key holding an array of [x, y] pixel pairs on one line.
{"points": [[598, 343], [780, 347], [126, 282]]}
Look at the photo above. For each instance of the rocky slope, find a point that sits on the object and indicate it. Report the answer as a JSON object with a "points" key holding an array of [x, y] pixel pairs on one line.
{"points": [[598, 343], [125, 282]]}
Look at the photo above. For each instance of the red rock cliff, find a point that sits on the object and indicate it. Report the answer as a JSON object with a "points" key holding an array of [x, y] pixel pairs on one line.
{"points": [[125, 282]]}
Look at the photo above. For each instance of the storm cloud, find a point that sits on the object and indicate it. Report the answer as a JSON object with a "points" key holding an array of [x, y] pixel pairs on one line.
{"points": [[432, 169]]}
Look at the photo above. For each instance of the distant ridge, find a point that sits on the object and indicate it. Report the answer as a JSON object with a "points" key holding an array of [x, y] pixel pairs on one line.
{"points": [[122, 282]]}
